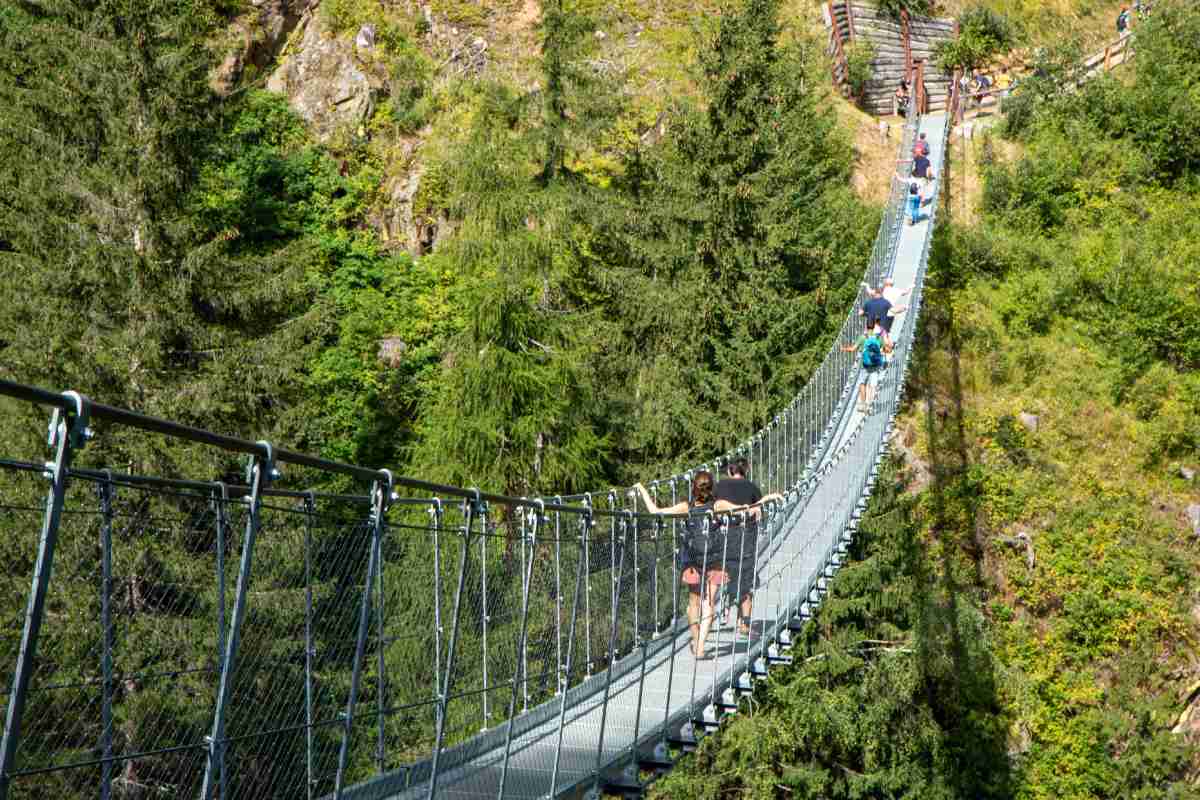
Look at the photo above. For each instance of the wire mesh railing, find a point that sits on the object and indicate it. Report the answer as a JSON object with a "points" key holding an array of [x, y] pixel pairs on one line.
{"points": [[249, 638]]}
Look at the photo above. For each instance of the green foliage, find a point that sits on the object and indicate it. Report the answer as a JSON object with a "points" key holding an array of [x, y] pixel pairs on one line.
{"points": [[106, 119], [516, 406], [914, 7], [410, 75], [1157, 112], [469, 13], [859, 63], [347, 16], [739, 264], [578, 105], [1151, 115], [982, 35]]}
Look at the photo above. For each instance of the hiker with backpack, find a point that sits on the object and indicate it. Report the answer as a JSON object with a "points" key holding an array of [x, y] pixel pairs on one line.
{"points": [[704, 549], [914, 204], [871, 346], [1123, 20], [921, 148]]}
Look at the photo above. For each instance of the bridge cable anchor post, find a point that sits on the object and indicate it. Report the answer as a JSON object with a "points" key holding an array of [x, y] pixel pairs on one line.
{"points": [[67, 432]]}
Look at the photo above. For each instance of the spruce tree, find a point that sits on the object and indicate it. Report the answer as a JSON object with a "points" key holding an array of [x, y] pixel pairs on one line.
{"points": [[746, 241], [518, 408], [114, 286]]}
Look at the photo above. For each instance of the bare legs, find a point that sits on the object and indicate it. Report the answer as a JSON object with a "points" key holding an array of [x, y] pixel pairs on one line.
{"points": [[747, 607], [707, 620], [693, 612]]}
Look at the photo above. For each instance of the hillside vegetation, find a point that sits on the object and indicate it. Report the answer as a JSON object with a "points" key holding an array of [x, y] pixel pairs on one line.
{"points": [[612, 239], [1023, 617]]}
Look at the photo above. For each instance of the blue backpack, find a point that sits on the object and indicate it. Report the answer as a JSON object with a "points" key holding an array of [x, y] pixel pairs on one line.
{"points": [[872, 353]]}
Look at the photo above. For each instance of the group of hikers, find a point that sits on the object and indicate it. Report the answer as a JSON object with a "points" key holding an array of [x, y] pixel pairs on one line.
{"points": [[875, 345], [718, 549], [922, 174], [719, 546]]}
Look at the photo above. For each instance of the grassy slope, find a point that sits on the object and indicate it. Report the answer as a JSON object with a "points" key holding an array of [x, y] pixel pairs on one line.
{"points": [[1096, 642]]}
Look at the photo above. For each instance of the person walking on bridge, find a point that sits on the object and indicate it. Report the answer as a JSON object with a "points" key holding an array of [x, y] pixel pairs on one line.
{"points": [[876, 306], [742, 540], [870, 344], [921, 148], [704, 547], [914, 204]]}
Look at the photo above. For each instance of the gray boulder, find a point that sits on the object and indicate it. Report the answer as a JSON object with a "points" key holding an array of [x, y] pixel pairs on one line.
{"points": [[1030, 421], [324, 82], [1193, 513]]}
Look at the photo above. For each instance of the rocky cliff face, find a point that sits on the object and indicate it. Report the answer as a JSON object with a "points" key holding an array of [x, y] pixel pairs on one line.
{"points": [[327, 80], [260, 34]]}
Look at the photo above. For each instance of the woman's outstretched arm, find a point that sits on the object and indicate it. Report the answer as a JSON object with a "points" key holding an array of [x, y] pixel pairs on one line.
{"points": [[653, 508]]}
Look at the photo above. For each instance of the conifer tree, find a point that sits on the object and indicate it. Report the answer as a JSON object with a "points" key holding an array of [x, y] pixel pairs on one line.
{"points": [[742, 227], [518, 408], [114, 286]]}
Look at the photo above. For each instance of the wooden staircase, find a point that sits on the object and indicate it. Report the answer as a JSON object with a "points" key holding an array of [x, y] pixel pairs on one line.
{"points": [[900, 45]]}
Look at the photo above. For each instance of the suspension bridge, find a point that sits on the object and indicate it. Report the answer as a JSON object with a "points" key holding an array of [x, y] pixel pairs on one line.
{"points": [[176, 636]]}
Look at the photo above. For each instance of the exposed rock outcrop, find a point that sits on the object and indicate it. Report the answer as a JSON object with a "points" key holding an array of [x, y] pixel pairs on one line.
{"points": [[261, 33], [325, 82], [397, 224]]}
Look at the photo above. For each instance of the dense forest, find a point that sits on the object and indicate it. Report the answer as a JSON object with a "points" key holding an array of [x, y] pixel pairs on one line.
{"points": [[604, 305], [635, 230]]}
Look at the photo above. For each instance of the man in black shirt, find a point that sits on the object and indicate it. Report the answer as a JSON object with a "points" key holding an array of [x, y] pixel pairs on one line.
{"points": [[743, 539]]}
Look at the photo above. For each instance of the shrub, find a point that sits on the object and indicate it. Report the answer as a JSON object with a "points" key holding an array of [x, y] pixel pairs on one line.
{"points": [[860, 57], [1147, 394], [894, 7], [982, 34]]}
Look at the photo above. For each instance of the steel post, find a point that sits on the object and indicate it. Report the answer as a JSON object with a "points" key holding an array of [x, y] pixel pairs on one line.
{"points": [[222, 519], [612, 657], [106, 491], [380, 655], [381, 495], [587, 592], [435, 523], [558, 654], [68, 432], [565, 672], [309, 653], [472, 508], [527, 574], [260, 473], [484, 615]]}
